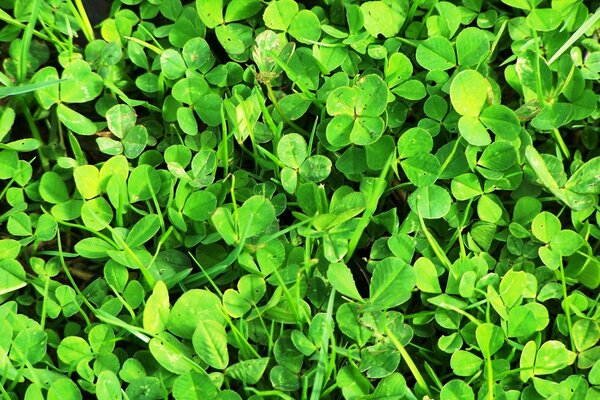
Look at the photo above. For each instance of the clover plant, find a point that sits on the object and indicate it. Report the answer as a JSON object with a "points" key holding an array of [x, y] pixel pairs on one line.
{"points": [[244, 199]]}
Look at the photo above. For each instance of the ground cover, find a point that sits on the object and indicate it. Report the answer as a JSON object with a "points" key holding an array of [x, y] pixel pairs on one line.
{"points": [[299, 200]]}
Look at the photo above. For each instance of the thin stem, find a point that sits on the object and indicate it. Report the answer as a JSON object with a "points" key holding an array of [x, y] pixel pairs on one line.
{"points": [[4, 16], [44, 305], [373, 198], [490, 378], [566, 304], [88, 31], [409, 362], [561, 143], [435, 245], [26, 41], [36, 134], [450, 156], [273, 99]]}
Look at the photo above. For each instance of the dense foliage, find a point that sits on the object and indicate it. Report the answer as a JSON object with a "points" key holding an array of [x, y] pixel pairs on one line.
{"points": [[229, 199]]}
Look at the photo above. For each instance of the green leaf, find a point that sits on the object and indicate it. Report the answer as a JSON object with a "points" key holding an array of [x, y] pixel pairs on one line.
{"points": [[586, 334], [392, 386], [586, 179], [120, 119], [108, 386], [521, 322], [190, 309], [436, 53], [279, 14], [544, 19], [566, 242], [52, 188], [170, 353], [96, 213], [292, 150], [392, 283], [248, 372], [235, 304], [421, 169], [172, 63], [553, 116], [426, 276], [80, 84], [430, 202], [194, 386], [531, 69], [457, 390], [200, 205], [143, 181], [466, 186], [210, 12], [210, 343], [64, 389], [242, 9], [143, 230], [472, 46], [381, 19], [473, 131], [75, 121], [315, 168], [27, 88], [499, 156], [502, 121], [342, 280], [527, 361], [489, 209], [545, 226], [469, 92], [305, 27], [465, 363], [353, 384], [414, 141], [522, 4], [255, 215], [552, 357], [87, 181], [156, 312], [73, 349], [197, 54], [489, 339], [235, 38], [397, 69], [7, 119], [48, 95], [12, 274], [371, 97], [19, 224]]}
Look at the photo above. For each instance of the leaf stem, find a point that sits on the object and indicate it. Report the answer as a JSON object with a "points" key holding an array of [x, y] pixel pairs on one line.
{"points": [[566, 304], [372, 201], [561, 143], [36, 134], [435, 245], [88, 31], [288, 121], [409, 362], [26, 41]]}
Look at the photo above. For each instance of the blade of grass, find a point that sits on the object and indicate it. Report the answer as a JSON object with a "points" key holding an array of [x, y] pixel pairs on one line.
{"points": [[27, 88], [576, 35], [409, 362], [26, 41], [372, 201], [322, 363]]}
